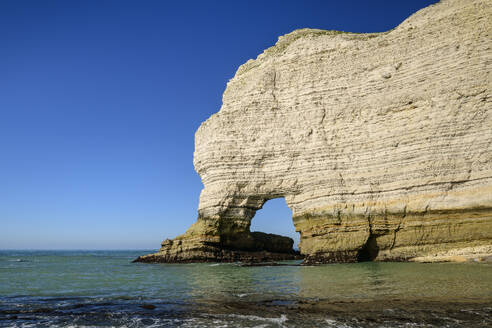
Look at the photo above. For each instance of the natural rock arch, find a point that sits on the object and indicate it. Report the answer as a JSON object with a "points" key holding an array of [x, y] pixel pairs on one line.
{"points": [[372, 139], [275, 217]]}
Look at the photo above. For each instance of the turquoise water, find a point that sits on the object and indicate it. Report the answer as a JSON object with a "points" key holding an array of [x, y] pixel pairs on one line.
{"points": [[103, 288]]}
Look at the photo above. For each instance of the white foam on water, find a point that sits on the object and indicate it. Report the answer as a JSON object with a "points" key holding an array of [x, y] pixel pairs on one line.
{"points": [[279, 321], [139, 322], [330, 321], [335, 324], [23, 325], [83, 326]]}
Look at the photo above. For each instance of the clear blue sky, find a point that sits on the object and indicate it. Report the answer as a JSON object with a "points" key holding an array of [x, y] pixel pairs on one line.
{"points": [[100, 100]]}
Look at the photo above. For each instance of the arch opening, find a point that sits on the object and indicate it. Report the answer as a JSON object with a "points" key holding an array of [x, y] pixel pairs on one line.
{"points": [[275, 217]]}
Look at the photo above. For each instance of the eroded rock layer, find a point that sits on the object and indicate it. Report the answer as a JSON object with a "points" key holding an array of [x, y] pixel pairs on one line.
{"points": [[381, 144]]}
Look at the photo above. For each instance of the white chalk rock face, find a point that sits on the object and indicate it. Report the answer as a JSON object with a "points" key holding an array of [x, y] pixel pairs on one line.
{"points": [[381, 144]]}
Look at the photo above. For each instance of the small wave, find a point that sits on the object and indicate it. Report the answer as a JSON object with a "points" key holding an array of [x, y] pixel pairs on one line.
{"points": [[18, 260], [242, 295]]}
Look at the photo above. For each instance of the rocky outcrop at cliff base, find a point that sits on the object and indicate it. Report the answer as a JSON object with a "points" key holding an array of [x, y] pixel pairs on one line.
{"points": [[381, 144]]}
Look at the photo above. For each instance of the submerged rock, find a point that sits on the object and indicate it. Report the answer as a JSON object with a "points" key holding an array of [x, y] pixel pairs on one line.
{"points": [[380, 144], [148, 306]]}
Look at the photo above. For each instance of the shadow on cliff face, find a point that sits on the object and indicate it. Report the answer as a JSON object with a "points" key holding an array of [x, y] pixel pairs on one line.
{"points": [[370, 250]]}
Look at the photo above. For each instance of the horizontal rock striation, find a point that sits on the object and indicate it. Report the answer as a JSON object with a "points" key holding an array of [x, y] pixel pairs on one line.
{"points": [[381, 144]]}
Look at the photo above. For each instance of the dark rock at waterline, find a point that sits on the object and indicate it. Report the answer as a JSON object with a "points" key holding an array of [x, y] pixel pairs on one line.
{"points": [[148, 306], [224, 256], [257, 264]]}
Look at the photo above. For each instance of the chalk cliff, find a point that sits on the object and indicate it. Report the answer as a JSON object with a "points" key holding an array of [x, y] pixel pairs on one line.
{"points": [[381, 144]]}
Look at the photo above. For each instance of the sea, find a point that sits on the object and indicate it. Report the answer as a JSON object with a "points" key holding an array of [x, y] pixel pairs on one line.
{"points": [[105, 289]]}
